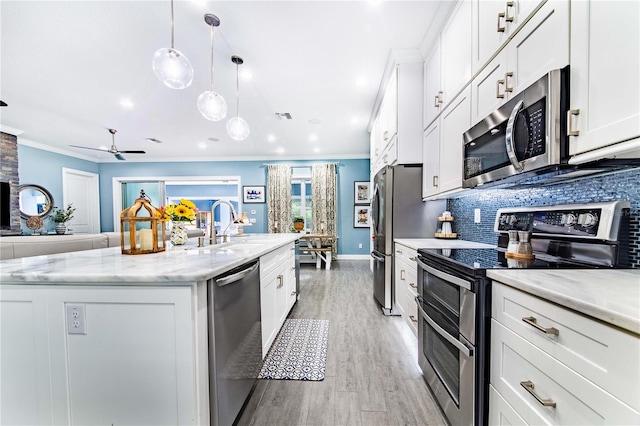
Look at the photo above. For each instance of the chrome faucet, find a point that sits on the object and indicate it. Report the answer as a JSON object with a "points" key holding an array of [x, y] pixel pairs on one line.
{"points": [[234, 218]]}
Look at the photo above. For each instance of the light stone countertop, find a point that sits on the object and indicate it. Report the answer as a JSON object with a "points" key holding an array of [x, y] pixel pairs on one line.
{"points": [[180, 264], [610, 295], [435, 243]]}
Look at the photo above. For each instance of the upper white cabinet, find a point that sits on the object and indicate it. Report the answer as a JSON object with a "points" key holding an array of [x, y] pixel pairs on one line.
{"points": [[442, 148], [541, 45], [396, 136], [605, 106], [494, 22], [448, 66]]}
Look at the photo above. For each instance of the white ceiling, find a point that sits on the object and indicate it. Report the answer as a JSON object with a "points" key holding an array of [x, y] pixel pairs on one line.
{"points": [[66, 66]]}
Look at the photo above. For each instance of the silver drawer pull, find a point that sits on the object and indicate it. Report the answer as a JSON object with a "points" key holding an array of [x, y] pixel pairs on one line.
{"points": [[529, 386], [293, 293], [532, 321], [412, 318], [413, 285]]}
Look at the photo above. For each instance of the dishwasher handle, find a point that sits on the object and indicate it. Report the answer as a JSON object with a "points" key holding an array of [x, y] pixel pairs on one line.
{"points": [[230, 279]]}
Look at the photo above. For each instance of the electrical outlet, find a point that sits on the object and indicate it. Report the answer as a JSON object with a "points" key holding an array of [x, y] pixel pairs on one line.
{"points": [[252, 220], [476, 215], [76, 319], [360, 245], [253, 211]]}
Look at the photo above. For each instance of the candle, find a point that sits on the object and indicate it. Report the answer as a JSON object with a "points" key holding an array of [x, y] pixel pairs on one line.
{"points": [[146, 239]]}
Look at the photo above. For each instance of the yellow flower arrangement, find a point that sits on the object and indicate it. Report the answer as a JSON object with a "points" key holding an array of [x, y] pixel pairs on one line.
{"points": [[183, 212]]}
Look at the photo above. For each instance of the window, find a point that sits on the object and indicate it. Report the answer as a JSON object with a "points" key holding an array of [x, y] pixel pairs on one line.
{"points": [[301, 194]]}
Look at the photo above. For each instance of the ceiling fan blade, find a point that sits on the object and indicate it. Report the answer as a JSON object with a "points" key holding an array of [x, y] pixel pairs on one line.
{"points": [[132, 152], [119, 157], [86, 147]]}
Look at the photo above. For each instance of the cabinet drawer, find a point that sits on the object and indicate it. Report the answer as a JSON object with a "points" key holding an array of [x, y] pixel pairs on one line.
{"points": [[272, 260], [406, 254], [500, 412], [576, 400], [603, 354], [411, 311]]}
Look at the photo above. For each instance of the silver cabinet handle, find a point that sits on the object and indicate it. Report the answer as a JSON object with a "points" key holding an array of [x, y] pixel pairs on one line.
{"points": [[402, 274], [533, 322], [508, 140], [413, 259], [440, 100], [293, 293], [434, 181], [399, 251], [506, 82], [529, 387], [281, 281], [412, 318], [506, 12], [385, 135], [412, 285], [498, 94], [500, 15], [436, 102], [570, 114]]}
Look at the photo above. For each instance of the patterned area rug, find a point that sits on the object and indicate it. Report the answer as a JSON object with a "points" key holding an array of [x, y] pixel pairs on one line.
{"points": [[299, 352]]}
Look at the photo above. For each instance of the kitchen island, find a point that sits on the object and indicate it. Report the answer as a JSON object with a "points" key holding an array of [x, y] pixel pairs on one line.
{"points": [[97, 337]]}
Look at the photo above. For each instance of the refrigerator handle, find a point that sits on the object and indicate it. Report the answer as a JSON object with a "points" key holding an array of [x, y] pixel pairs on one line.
{"points": [[376, 257], [374, 208]]}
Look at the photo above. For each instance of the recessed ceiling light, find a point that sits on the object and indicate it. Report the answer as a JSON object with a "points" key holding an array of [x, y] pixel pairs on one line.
{"points": [[246, 74], [315, 121], [313, 137], [126, 103], [271, 138]]}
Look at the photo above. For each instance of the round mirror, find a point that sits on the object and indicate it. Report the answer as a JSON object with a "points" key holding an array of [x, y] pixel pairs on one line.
{"points": [[35, 201]]}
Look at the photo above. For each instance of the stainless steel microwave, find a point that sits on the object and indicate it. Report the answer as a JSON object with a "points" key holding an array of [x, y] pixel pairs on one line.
{"points": [[524, 136]]}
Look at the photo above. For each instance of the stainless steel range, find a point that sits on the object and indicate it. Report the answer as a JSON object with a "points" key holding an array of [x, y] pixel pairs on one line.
{"points": [[454, 295]]}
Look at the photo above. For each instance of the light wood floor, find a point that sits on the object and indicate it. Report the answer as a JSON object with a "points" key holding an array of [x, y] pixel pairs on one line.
{"points": [[371, 378]]}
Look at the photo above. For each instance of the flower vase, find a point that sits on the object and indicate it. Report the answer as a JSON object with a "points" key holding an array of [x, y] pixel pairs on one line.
{"points": [[178, 234], [61, 228]]}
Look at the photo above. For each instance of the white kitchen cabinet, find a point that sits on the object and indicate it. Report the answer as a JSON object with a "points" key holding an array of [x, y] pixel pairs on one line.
{"points": [[136, 357], [399, 118], [555, 366], [277, 284], [447, 68], [442, 150], [541, 45], [406, 284], [605, 106], [494, 22]]}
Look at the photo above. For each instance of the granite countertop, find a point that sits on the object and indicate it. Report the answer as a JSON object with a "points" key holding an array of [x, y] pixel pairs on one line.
{"points": [[610, 295], [435, 243], [178, 264]]}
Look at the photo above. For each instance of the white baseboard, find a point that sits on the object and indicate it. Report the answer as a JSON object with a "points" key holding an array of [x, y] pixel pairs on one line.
{"points": [[353, 257]]}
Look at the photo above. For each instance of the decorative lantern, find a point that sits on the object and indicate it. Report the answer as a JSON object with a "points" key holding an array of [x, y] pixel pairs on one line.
{"points": [[140, 234]]}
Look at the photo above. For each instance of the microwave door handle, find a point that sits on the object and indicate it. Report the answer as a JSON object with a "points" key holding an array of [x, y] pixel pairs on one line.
{"points": [[509, 138], [449, 338], [443, 275]]}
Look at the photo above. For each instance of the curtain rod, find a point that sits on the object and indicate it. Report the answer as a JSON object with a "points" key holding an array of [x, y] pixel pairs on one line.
{"points": [[337, 163]]}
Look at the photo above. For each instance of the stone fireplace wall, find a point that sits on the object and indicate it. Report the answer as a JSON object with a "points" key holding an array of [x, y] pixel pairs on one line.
{"points": [[9, 173]]}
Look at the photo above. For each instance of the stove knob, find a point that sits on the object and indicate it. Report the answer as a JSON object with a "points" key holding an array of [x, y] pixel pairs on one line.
{"points": [[587, 220], [569, 219]]}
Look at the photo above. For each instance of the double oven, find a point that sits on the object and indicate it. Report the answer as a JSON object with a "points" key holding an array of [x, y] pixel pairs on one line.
{"points": [[454, 294]]}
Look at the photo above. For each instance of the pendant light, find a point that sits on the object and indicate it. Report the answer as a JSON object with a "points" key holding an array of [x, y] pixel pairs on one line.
{"points": [[211, 104], [171, 66], [237, 128]]}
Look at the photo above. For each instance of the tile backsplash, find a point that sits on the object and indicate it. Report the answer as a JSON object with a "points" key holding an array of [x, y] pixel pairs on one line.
{"points": [[610, 187]]}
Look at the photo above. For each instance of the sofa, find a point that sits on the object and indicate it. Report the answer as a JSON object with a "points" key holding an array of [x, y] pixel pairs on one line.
{"points": [[37, 245]]}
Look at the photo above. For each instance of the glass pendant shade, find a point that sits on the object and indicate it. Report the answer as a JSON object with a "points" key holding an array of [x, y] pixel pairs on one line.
{"points": [[237, 128], [212, 106], [172, 68]]}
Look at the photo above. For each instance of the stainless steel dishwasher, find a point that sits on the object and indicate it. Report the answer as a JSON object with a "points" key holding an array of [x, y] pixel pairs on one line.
{"points": [[235, 340]]}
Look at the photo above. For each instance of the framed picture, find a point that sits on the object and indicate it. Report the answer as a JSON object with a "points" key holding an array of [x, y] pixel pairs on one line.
{"points": [[361, 216], [253, 194], [361, 193]]}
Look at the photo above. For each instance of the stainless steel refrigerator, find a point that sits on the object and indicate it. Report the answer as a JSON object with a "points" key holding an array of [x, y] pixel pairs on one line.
{"points": [[397, 211]]}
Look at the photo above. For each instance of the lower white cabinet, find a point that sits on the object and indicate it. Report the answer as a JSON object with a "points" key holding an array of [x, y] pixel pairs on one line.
{"points": [[405, 278], [135, 362], [277, 292], [550, 365]]}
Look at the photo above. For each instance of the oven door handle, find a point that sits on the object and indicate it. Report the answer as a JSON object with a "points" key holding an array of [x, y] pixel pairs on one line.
{"points": [[378, 258], [509, 137], [443, 275], [455, 342]]}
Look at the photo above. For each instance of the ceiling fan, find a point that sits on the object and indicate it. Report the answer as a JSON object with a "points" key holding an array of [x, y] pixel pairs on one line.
{"points": [[113, 150]]}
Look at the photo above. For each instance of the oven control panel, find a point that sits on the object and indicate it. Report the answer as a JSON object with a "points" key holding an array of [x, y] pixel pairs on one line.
{"points": [[569, 222]]}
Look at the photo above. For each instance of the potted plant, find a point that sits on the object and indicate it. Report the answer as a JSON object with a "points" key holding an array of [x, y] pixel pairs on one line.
{"points": [[298, 223], [61, 216]]}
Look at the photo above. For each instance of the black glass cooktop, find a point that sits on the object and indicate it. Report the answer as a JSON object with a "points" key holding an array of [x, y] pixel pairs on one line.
{"points": [[476, 260]]}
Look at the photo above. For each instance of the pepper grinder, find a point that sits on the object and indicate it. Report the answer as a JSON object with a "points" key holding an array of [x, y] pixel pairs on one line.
{"points": [[512, 247]]}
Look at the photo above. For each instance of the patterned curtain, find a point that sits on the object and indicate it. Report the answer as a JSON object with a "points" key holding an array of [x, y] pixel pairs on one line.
{"points": [[324, 184], [280, 218]]}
